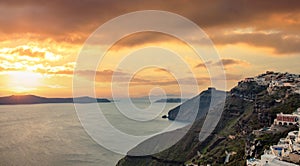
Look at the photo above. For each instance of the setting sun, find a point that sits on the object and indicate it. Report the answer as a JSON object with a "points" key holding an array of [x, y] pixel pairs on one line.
{"points": [[23, 81], [185, 82]]}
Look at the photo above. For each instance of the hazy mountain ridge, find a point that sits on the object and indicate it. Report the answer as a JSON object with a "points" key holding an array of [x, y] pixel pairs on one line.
{"points": [[171, 100], [32, 99]]}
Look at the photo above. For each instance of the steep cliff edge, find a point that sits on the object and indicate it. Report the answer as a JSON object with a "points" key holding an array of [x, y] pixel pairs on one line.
{"points": [[183, 147], [188, 111], [249, 106]]}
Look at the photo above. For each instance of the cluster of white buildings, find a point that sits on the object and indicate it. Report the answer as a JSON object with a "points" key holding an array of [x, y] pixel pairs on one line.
{"points": [[285, 153], [275, 79], [287, 150]]}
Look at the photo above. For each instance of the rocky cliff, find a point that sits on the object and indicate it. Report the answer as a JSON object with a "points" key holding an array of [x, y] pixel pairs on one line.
{"points": [[248, 107], [198, 106]]}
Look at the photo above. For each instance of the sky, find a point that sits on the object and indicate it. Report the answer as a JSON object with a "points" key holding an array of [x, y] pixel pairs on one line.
{"points": [[41, 40]]}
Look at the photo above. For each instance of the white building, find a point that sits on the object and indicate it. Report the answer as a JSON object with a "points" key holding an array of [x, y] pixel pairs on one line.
{"points": [[288, 119], [268, 160], [272, 160], [275, 83], [261, 81]]}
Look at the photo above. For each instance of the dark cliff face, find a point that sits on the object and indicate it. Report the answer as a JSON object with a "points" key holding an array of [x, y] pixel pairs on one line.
{"points": [[175, 155], [198, 106], [242, 114], [189, 145], [180, 146]]}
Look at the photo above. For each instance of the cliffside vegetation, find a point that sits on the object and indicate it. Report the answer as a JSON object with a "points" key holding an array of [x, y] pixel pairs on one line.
{"points": [[248, 107]]}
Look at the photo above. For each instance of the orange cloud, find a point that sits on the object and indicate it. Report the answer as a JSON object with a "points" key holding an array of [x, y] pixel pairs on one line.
{"points": [[282, 43], [161, 70], [46, 37], [66, 21], [224, 62], [27, 52], [229, 62]]}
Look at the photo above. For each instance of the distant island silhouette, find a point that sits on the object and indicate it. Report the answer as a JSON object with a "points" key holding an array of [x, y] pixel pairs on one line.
{"points": [[170, 100], [32, 99]]}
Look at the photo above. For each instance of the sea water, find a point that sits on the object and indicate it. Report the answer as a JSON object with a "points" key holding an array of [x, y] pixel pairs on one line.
{"points": [[51, 134]]}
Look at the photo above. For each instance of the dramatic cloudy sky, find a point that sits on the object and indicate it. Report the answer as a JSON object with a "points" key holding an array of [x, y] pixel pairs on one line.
{"points": [[40, 41]]}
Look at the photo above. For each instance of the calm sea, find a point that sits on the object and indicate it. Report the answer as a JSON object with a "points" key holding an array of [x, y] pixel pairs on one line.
{"points": [[51, 134]]}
